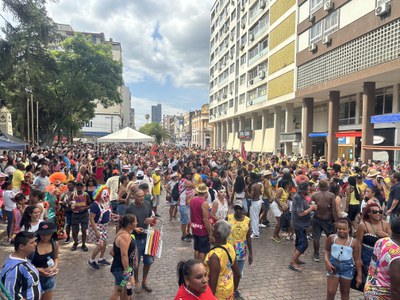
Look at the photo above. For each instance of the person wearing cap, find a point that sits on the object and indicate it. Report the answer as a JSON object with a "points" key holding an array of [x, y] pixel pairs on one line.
{"points": [[172, 203], [156, 189], [200, 224], [301, 220], [19, 276], [186, 193], [241, 240], [47, 247]]}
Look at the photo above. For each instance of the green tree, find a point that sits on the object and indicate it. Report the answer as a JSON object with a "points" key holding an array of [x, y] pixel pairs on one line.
{"points": [[157, 131], [25, 62], [147, 117], [86, 74]]}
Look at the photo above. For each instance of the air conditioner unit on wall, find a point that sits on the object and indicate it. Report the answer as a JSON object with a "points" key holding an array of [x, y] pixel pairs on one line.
{"points": [[326, 40], [328, 5], [251, 37], [311, 18], [251, 82], [262, 4], [382, 9], [313, 47], [261, 74], [250, 102], [243, 25]]}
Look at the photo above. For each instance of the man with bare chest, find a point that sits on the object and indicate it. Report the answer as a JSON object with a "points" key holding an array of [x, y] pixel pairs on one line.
{"points": [[324, 216]]}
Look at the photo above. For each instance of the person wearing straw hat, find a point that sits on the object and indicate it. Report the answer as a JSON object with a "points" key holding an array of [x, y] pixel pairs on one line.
{"points": [[200, 224]]}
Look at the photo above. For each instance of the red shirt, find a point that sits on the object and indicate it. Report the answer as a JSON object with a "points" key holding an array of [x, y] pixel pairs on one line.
{"points": [[196, 217], [184, 294]]}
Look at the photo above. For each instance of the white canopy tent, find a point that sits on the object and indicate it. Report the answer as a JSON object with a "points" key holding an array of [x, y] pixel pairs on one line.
{"points": [[126, 135]]}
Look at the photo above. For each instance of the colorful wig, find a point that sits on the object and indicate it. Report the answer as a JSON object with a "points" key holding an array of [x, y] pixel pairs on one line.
{"points": [[57, 176], [99, 192]]}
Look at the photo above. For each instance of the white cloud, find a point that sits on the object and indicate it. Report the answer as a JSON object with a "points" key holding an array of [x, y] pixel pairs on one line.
{"points": [[178, 51]]}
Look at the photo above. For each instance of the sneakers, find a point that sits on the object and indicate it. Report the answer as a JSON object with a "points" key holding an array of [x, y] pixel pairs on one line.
{"points": [[94, 265], [261, 225], [186, 238], [84, 248], [67, 240], [254, 236], [74, 246], [316, 258], [103, 262]]}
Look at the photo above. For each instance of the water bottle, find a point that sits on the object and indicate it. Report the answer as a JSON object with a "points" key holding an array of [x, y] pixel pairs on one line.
{"points": [[50, 262], [129, 288]]}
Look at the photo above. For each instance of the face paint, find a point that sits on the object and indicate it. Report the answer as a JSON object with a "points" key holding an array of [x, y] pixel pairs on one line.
{"points": [[105, 195]]}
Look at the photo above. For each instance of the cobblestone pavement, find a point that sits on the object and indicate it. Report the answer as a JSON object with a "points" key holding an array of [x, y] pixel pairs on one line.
{"points": [[268, 277]]}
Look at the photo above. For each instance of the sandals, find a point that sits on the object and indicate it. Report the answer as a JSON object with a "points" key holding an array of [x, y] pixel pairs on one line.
{"points": [[300, 262], [147, 288], [293, 268], [137, 289], [277, 240]]}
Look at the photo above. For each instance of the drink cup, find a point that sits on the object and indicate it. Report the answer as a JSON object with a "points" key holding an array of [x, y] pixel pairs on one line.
{"points": [[129, 288]]}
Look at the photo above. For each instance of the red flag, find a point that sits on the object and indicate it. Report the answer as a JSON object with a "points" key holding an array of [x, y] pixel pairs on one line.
{"points": [[154, 150], [243, 152]]}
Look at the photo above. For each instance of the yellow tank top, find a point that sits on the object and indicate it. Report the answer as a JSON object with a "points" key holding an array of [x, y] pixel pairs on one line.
{"points": [[225, 286], [353, 200], [284, 196]]}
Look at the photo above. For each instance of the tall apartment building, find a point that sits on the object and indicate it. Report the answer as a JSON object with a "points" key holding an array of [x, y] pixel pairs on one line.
{"points": [[156, 113], [252, 75], [348, 59], [306, 76], [112, 118]]}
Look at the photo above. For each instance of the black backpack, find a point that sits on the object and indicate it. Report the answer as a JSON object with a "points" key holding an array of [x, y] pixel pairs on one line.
{"points": [[175, 191]]}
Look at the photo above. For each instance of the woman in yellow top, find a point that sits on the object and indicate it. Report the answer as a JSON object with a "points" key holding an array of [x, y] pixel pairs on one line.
{"points": [[279, 206], [353, 202], [222, 267]]}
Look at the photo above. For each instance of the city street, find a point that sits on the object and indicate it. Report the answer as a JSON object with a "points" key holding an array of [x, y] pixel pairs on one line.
{"points": [[268, 277]]}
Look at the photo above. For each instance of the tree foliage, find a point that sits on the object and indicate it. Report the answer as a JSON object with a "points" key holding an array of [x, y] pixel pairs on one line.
{"points": [[68, 83], [157, 131]]}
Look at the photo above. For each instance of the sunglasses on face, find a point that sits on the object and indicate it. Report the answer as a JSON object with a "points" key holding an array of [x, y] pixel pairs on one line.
{"points": [[374, 212]]}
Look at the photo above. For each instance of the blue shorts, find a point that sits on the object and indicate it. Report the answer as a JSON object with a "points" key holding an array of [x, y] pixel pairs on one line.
{"points": [[184, 210], [301, 243], [118, 276], [343, 268], [48, 283], [147, 259], [266, 204]]}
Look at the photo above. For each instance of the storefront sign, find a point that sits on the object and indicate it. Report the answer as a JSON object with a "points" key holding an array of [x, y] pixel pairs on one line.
{"points": [[245, 135], [378, 139], [343, 141]]}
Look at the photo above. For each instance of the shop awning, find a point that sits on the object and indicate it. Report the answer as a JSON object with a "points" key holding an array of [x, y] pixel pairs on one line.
{"points": [[387, 118], [352, 133], [317, 134]]}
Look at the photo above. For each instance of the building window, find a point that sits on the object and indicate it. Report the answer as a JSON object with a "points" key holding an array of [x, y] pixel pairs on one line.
{"points": [[241, 98], [384, 101], [347, 110], [243, 59], [315, 5], [331, 23], [316, 32], [242, 79], [270, 123]]}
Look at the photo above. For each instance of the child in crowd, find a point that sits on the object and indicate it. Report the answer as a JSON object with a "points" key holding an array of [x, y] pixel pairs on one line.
{"points": [[342, 252]]}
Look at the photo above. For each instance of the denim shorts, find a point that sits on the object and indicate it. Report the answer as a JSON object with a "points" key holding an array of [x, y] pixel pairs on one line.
{"points": [[266, 204], [184, 210], [118, 276], [343, 268], [48, 283], [147, 259], [301, 243]]}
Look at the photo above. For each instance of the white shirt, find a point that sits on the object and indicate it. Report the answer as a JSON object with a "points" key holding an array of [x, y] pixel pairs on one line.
{"points": [[9, 203]]}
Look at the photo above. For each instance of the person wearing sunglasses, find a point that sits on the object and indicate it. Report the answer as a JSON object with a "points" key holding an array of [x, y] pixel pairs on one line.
{"points": [[341, 254], [383, 280], [371, 229]]}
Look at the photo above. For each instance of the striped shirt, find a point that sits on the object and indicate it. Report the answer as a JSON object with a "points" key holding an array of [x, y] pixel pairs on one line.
{"points": [[21, 279]]}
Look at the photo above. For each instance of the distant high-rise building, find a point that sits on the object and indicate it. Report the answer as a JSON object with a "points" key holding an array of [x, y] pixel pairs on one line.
{"points": [[156, 113]]}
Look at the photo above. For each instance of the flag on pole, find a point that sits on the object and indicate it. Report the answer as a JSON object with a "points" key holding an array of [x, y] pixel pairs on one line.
{"points": [[154, 150], [243, 153]]}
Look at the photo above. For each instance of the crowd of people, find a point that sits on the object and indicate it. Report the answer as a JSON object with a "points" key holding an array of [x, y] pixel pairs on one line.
{"points": [[71, 194]]}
